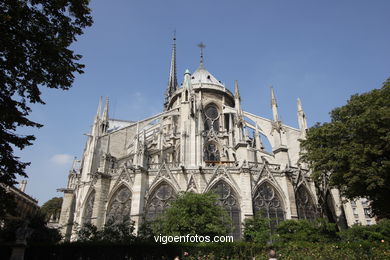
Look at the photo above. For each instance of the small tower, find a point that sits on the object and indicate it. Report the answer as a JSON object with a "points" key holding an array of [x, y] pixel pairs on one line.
{"points": [[301, 118], [274, 106], [172, 81], [105, 124]]}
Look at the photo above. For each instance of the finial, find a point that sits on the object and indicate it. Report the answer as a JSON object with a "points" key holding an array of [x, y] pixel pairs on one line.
{"points": [[236, 91], [201, 46]]}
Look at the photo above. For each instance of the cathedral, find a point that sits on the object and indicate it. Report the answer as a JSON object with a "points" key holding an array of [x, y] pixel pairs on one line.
{"points": [[202, 141]]}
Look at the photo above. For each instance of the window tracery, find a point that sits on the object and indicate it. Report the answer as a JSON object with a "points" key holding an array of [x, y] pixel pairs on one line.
{"points": [[119, 207], [87, 216], [159, 201], [228, 199], [268, 203], [305, 206]]}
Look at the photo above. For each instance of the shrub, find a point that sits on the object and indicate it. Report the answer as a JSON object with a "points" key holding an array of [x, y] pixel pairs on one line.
{"points": [[257, 230], [303, 230], [378, 232]]}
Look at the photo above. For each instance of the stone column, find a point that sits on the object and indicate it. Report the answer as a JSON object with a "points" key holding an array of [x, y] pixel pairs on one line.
{"points": [[138, 197], [291, 198], [66, 215], [246, 195], [101, 193]]}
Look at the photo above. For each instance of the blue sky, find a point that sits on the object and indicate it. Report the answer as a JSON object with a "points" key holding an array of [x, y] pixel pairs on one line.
{"points": [[320, 51]]}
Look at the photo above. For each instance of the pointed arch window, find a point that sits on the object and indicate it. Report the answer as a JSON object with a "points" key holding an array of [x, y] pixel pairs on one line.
{"points": [[211, 152], [268, 203], [88, 208], [119, 208], [305, 206], [211, 118], [160, 199], [228, 199]]}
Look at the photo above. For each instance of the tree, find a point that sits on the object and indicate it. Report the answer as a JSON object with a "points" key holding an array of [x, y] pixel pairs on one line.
{"points": [[40, 232], [257, 230], [352, 151], [34, 52], [114, 232], [52, 207], [193, 213], [303, 230]]}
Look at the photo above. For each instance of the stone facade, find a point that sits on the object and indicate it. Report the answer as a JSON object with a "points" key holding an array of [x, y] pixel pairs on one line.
{"points": [[202, 141]]}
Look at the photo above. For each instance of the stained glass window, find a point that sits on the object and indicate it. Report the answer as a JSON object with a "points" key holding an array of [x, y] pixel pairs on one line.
{"points": [[119, 207], [159, 200], [267, 202], [88, 209], [211, 118], [228, 199], [211, 152], [305, 206]]}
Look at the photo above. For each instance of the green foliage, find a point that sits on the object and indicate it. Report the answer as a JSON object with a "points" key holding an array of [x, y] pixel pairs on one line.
{"points": [[373, 233], [52, 207], [193, 213], [35, 52], [304, 230], [354, 148], [257, 230], [113, 232], [40, 233]]}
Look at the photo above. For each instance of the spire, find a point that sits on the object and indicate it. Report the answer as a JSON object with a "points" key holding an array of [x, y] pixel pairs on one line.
{"points": [[236, 91], [301, 116], [98, 112], [201, 47], [172, 81], [274, 105], [96, 122], [105, 117], [105, 111], [237, 97], [258, 143], [186, 85]]}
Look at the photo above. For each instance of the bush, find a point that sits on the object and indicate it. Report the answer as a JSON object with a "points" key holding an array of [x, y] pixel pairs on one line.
{"points": [[378, 232], [113, 232], [257, 230], [36, 224], [303, 230]]}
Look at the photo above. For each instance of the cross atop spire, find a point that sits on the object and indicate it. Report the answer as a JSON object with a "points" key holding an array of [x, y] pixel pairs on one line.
{"points": [[172, 81], [201, 47]]}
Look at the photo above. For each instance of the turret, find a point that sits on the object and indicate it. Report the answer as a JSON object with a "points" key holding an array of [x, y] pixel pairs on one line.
{"points": [[172, 81], [301, 118], [186, 86], [274, 106], [105, 124]]}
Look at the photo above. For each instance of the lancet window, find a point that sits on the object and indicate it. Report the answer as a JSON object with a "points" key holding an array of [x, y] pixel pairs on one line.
{"points": [[88, 208], [159, 200], [305, 206], [228, 199], [211, 118], [118, 210], [268, 203]]}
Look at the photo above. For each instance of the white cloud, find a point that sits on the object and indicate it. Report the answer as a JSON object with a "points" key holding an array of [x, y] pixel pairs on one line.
{"points": [[61, 159]]}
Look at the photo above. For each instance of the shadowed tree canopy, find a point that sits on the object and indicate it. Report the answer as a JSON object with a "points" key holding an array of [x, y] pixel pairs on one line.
{"points": [[352, 151], [52, 207], [193, 213], [34, 53]]}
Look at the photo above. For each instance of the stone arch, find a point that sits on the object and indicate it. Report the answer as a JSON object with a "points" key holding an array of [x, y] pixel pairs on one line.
{"points": [[88, 207], [159, 199], [228, 198], [305, 204], [119, 206], [268, 202]]}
